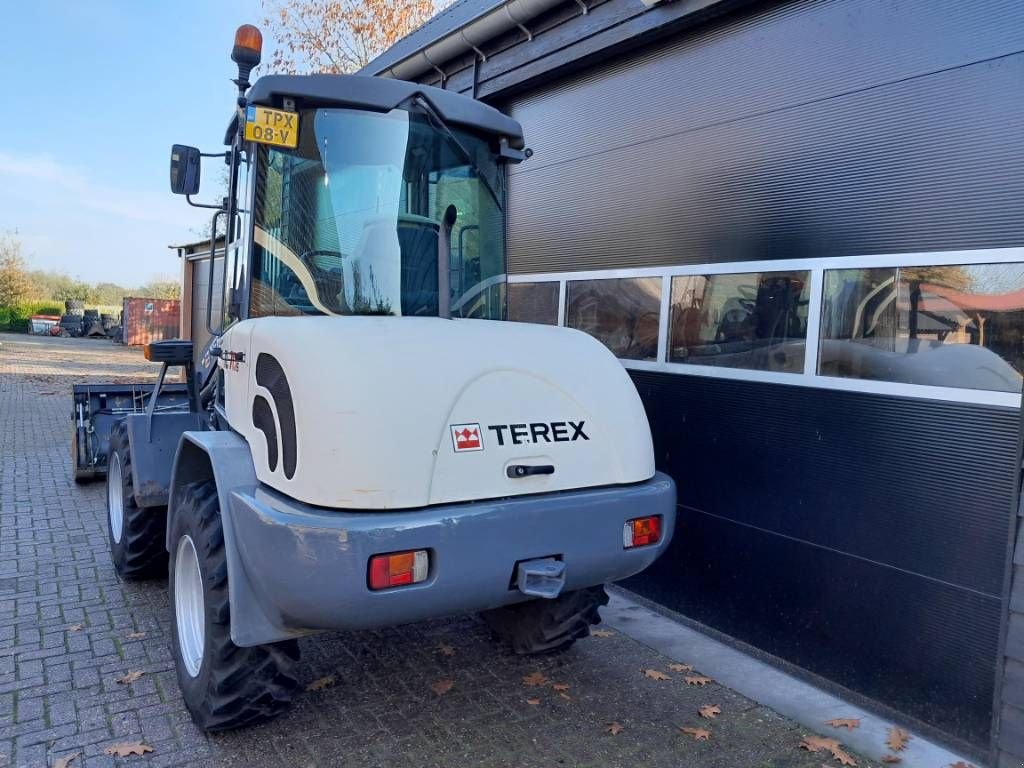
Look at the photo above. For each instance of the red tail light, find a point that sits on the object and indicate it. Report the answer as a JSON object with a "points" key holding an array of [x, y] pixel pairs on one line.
{"points": [[641, 531], [398, 569]]}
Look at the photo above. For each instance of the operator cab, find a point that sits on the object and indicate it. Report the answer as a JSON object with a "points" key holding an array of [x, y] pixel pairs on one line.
{"points": [[362, 196]]}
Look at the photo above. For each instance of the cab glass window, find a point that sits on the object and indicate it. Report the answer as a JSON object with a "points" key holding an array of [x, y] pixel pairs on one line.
{"points": [[371, 211]]}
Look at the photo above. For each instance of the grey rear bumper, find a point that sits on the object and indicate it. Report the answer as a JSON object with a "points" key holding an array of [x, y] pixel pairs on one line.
{"points": [[306, 567]]}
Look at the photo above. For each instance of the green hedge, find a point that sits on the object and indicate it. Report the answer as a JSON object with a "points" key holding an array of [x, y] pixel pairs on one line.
{"points": [[16, 318]]}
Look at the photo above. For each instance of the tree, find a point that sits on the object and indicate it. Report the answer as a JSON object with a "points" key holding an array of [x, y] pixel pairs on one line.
{"points": [[15, 285], [161, 288], [70, 289], [337, 36]]}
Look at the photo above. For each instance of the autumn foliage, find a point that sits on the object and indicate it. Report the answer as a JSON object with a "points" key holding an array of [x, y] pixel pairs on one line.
{"points": [[337, 36]]}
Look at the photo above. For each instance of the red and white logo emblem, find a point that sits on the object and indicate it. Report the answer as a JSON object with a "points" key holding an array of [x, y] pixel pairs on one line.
{"points": [[466, 437]]}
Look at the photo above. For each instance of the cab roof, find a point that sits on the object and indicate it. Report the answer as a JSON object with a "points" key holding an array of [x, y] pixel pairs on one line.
{"points": [[381, 95]]}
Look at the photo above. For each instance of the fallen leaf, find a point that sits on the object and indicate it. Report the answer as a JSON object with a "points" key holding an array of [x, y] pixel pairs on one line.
{"points": [[320, 683], [75, 628], [614, 728], [897, 740], [891, 759], [961, 764], [700, 734], [681, 667], [566, 696], [849, 723], [131, 677], [136, 636], [534, 679], [533, 702], [819, 743], [698, 680], [64, 762], [654, 674], [602, 633], [446, 650], [441, 687], [125, 748], [709, 711], [560, 687]]}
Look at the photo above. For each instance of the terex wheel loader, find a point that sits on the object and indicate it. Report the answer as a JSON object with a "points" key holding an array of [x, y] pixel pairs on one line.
{"points": [[365, 441]]}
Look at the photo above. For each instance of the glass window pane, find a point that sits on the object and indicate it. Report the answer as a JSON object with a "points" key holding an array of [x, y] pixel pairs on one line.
{"points": [[949, 326], [533, 303], [622, 313], [755, 320]]}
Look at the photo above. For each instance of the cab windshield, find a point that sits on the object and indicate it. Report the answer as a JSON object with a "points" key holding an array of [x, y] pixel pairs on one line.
{"points": [[357, 218]]}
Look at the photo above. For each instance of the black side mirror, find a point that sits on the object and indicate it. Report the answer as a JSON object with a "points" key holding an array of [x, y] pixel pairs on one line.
{"points": [[184, 170]]}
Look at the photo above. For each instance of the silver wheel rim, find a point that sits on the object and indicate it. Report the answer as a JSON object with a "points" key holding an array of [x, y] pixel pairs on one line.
{"points": [[115, 502], [189, 607]]}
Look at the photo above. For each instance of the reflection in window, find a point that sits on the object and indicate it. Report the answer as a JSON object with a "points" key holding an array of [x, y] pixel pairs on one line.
{"points": [[533, 303], [755, 320], [950, 326], [622, 313]]}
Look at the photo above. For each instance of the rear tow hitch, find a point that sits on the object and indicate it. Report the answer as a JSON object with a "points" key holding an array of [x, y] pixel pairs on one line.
{"points": [[541, 578]]}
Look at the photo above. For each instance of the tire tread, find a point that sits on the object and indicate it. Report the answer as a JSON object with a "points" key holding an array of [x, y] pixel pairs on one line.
{"points": [[547, 626], [246, 685], [142, 553]]}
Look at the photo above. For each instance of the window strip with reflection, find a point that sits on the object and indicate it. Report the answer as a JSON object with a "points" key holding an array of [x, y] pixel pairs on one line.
{"points": [[755, 320], [622, 313], [945, 326]]}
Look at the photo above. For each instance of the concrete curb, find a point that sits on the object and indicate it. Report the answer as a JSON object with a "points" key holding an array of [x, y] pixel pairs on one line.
{"points": [[763, 683]]}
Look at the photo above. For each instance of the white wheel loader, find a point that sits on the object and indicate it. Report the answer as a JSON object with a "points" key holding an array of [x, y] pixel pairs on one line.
{"points": [[365, 441]]}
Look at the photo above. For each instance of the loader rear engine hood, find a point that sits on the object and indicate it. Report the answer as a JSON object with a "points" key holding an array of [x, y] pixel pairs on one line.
{"points": [[398, 413]]}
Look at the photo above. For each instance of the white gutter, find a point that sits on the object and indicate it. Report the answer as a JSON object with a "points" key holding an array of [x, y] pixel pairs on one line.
{"points": [[469, 37]]}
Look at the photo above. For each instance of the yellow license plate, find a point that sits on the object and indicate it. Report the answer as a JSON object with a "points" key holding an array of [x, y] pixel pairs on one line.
{"points": [[272, 126]]}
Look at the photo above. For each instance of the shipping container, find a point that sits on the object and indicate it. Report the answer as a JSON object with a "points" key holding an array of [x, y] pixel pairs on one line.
{"points": [[148, 320]]}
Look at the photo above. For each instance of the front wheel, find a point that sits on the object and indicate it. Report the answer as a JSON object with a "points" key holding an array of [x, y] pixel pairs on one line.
{"points": [[136, 534], [224, 685], [546, 626]]}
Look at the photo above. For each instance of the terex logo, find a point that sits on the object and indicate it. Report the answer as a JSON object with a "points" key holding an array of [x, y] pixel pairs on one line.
{"points": [[539, 432], [466, 437]]}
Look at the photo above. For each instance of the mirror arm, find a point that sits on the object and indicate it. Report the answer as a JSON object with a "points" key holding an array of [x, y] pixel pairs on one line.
{"points": [[188, 199]]}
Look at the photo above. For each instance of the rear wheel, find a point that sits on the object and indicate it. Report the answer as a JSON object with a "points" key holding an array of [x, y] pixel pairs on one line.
{"points": [[136, 533], [224, 685], [546, 626]]}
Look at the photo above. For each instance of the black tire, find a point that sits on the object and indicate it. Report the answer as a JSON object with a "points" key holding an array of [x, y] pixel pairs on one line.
{"points": [[233, 686], [80, 476], [547, 626], [140, 552]]}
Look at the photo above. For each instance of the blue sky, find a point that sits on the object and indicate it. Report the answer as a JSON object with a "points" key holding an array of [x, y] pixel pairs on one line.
{"points": [[95, 92]]}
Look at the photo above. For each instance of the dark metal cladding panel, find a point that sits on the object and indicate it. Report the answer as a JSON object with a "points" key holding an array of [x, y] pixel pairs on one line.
{"points": [[820, 129], [897, 509]]}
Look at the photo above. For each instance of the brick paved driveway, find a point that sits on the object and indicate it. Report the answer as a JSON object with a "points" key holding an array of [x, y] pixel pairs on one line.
{"points": [[69, 628]]}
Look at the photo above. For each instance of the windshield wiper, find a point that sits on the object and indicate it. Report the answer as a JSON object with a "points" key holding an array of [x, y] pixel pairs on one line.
{"points": [[439, 122]]}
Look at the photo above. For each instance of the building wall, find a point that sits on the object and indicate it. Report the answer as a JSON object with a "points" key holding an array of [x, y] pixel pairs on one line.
{"points": [[857, 527]]}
